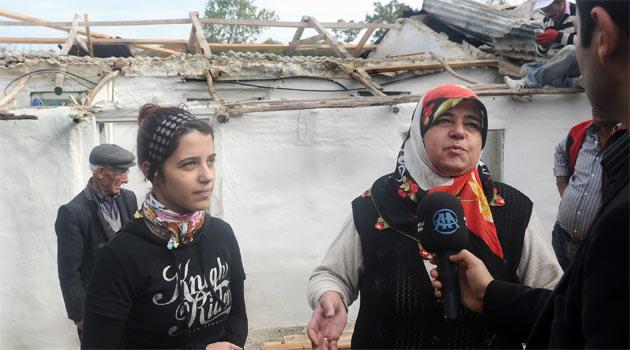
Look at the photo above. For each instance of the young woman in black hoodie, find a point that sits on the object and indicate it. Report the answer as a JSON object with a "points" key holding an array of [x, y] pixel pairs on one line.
{"points": [[173, 276]]}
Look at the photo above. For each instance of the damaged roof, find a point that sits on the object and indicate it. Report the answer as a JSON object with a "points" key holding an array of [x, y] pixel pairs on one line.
{"points": [[230, 65], [509, 35]]}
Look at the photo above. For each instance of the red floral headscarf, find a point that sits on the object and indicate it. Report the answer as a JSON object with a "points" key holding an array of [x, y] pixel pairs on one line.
{"points": [[415, 171], [444, 97]]}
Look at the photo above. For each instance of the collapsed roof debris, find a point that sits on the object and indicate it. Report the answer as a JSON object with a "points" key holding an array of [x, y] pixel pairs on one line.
{"points": [[510, 36], [230, 65]]}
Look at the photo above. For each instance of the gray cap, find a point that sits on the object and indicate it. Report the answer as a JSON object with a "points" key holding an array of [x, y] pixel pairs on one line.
{"points": [[113, 156]]}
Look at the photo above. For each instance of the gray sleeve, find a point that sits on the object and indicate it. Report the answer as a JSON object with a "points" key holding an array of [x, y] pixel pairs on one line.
{"points": [[341, 268], [561, 165], [538, 266]]}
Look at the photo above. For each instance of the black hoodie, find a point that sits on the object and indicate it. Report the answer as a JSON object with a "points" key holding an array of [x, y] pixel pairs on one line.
{"points": [[144, 295]]}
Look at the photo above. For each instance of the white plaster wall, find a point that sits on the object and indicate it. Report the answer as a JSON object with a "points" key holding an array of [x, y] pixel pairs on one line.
{"points": [[532, 131], [286, 182], [44, 164]]}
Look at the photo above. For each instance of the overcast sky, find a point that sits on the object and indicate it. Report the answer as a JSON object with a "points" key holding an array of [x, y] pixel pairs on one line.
{"points": [[102, 10]]}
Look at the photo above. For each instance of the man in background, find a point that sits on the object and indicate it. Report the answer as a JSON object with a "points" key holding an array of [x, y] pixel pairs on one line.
{"points": [[578, 171], [555, 46], [89, 221]]}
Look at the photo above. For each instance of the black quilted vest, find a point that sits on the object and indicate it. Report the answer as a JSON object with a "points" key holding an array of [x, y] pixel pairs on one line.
{"points": [[398, 308]]}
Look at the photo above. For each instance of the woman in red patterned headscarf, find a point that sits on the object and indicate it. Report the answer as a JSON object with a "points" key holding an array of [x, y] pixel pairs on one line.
{"points": [[378, 253]]}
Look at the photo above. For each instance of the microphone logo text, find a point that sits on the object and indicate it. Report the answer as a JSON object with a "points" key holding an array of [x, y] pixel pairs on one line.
{"points": [[445, 222]]}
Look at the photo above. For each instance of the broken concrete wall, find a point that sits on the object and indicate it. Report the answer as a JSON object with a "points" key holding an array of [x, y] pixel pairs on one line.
{"points": [[414, 37]]}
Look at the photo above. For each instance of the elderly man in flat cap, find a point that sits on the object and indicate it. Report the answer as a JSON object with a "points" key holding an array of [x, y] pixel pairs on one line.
{"points": [[89, 221]]}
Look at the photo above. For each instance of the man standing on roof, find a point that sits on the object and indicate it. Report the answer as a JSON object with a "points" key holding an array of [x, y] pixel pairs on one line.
{"points": [[578, 172], [555, 44], [89, 221]]}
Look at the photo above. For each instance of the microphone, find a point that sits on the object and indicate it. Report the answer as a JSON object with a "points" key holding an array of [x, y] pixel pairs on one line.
{"points": [[442, 230]]}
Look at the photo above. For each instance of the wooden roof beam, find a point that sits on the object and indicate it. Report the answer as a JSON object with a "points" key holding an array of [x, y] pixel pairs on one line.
{"points": [[310, 40], [245, 22], [19, 17], [357, 50], [88, 35], [72, 34], [201, 39], [330, 38], [296, 38]]}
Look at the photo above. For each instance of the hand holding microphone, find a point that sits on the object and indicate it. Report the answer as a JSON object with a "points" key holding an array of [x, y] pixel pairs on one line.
{"points": [[474, 279], [442, 231]]}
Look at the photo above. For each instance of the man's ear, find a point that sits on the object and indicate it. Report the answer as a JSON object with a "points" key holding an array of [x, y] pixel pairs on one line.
{"points": [[606, 35], [99, 172]]}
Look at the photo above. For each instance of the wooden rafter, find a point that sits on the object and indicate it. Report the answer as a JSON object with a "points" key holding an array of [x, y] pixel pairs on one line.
{"points": [[153, 44], [221, 111], [330, 38], [364, 78], [158, 49], [19, 17], [248, 106], [11, 95], [10, 116], [101, 84], [72, 34], [296, 38], [508, 68], [310, 40], [237, 108], [243, 22], [357, 50], [191, 46], [201, 39], [86, 18], [178, 42], [211, 89], [79, 41], [450, 70], [428, 66], [301, 341]]}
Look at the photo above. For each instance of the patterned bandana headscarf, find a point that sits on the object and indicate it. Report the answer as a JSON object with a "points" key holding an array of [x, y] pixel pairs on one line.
{"points": [[176, 228], [162, 138], [414, 171]]}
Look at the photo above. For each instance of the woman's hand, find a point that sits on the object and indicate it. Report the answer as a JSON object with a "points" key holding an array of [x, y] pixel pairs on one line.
{"points": [[224, 345], [328, 321]]}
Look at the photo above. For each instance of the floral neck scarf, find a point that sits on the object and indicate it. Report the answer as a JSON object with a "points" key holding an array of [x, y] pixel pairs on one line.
{"points": [[169, 225], [476, 208]]}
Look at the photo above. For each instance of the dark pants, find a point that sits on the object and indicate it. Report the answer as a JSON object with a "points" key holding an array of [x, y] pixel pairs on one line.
{"points": [[563, 246]]}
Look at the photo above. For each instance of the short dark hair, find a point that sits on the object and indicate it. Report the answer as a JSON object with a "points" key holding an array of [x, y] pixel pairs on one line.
{"points": [[149, 119], [617, 10]]}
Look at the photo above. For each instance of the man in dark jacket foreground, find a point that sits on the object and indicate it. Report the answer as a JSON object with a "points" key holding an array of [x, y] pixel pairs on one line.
{"points": [[589, 306]]}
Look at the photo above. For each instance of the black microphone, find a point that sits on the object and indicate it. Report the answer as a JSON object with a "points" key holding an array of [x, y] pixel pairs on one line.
{"points": [[442, 231]]}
